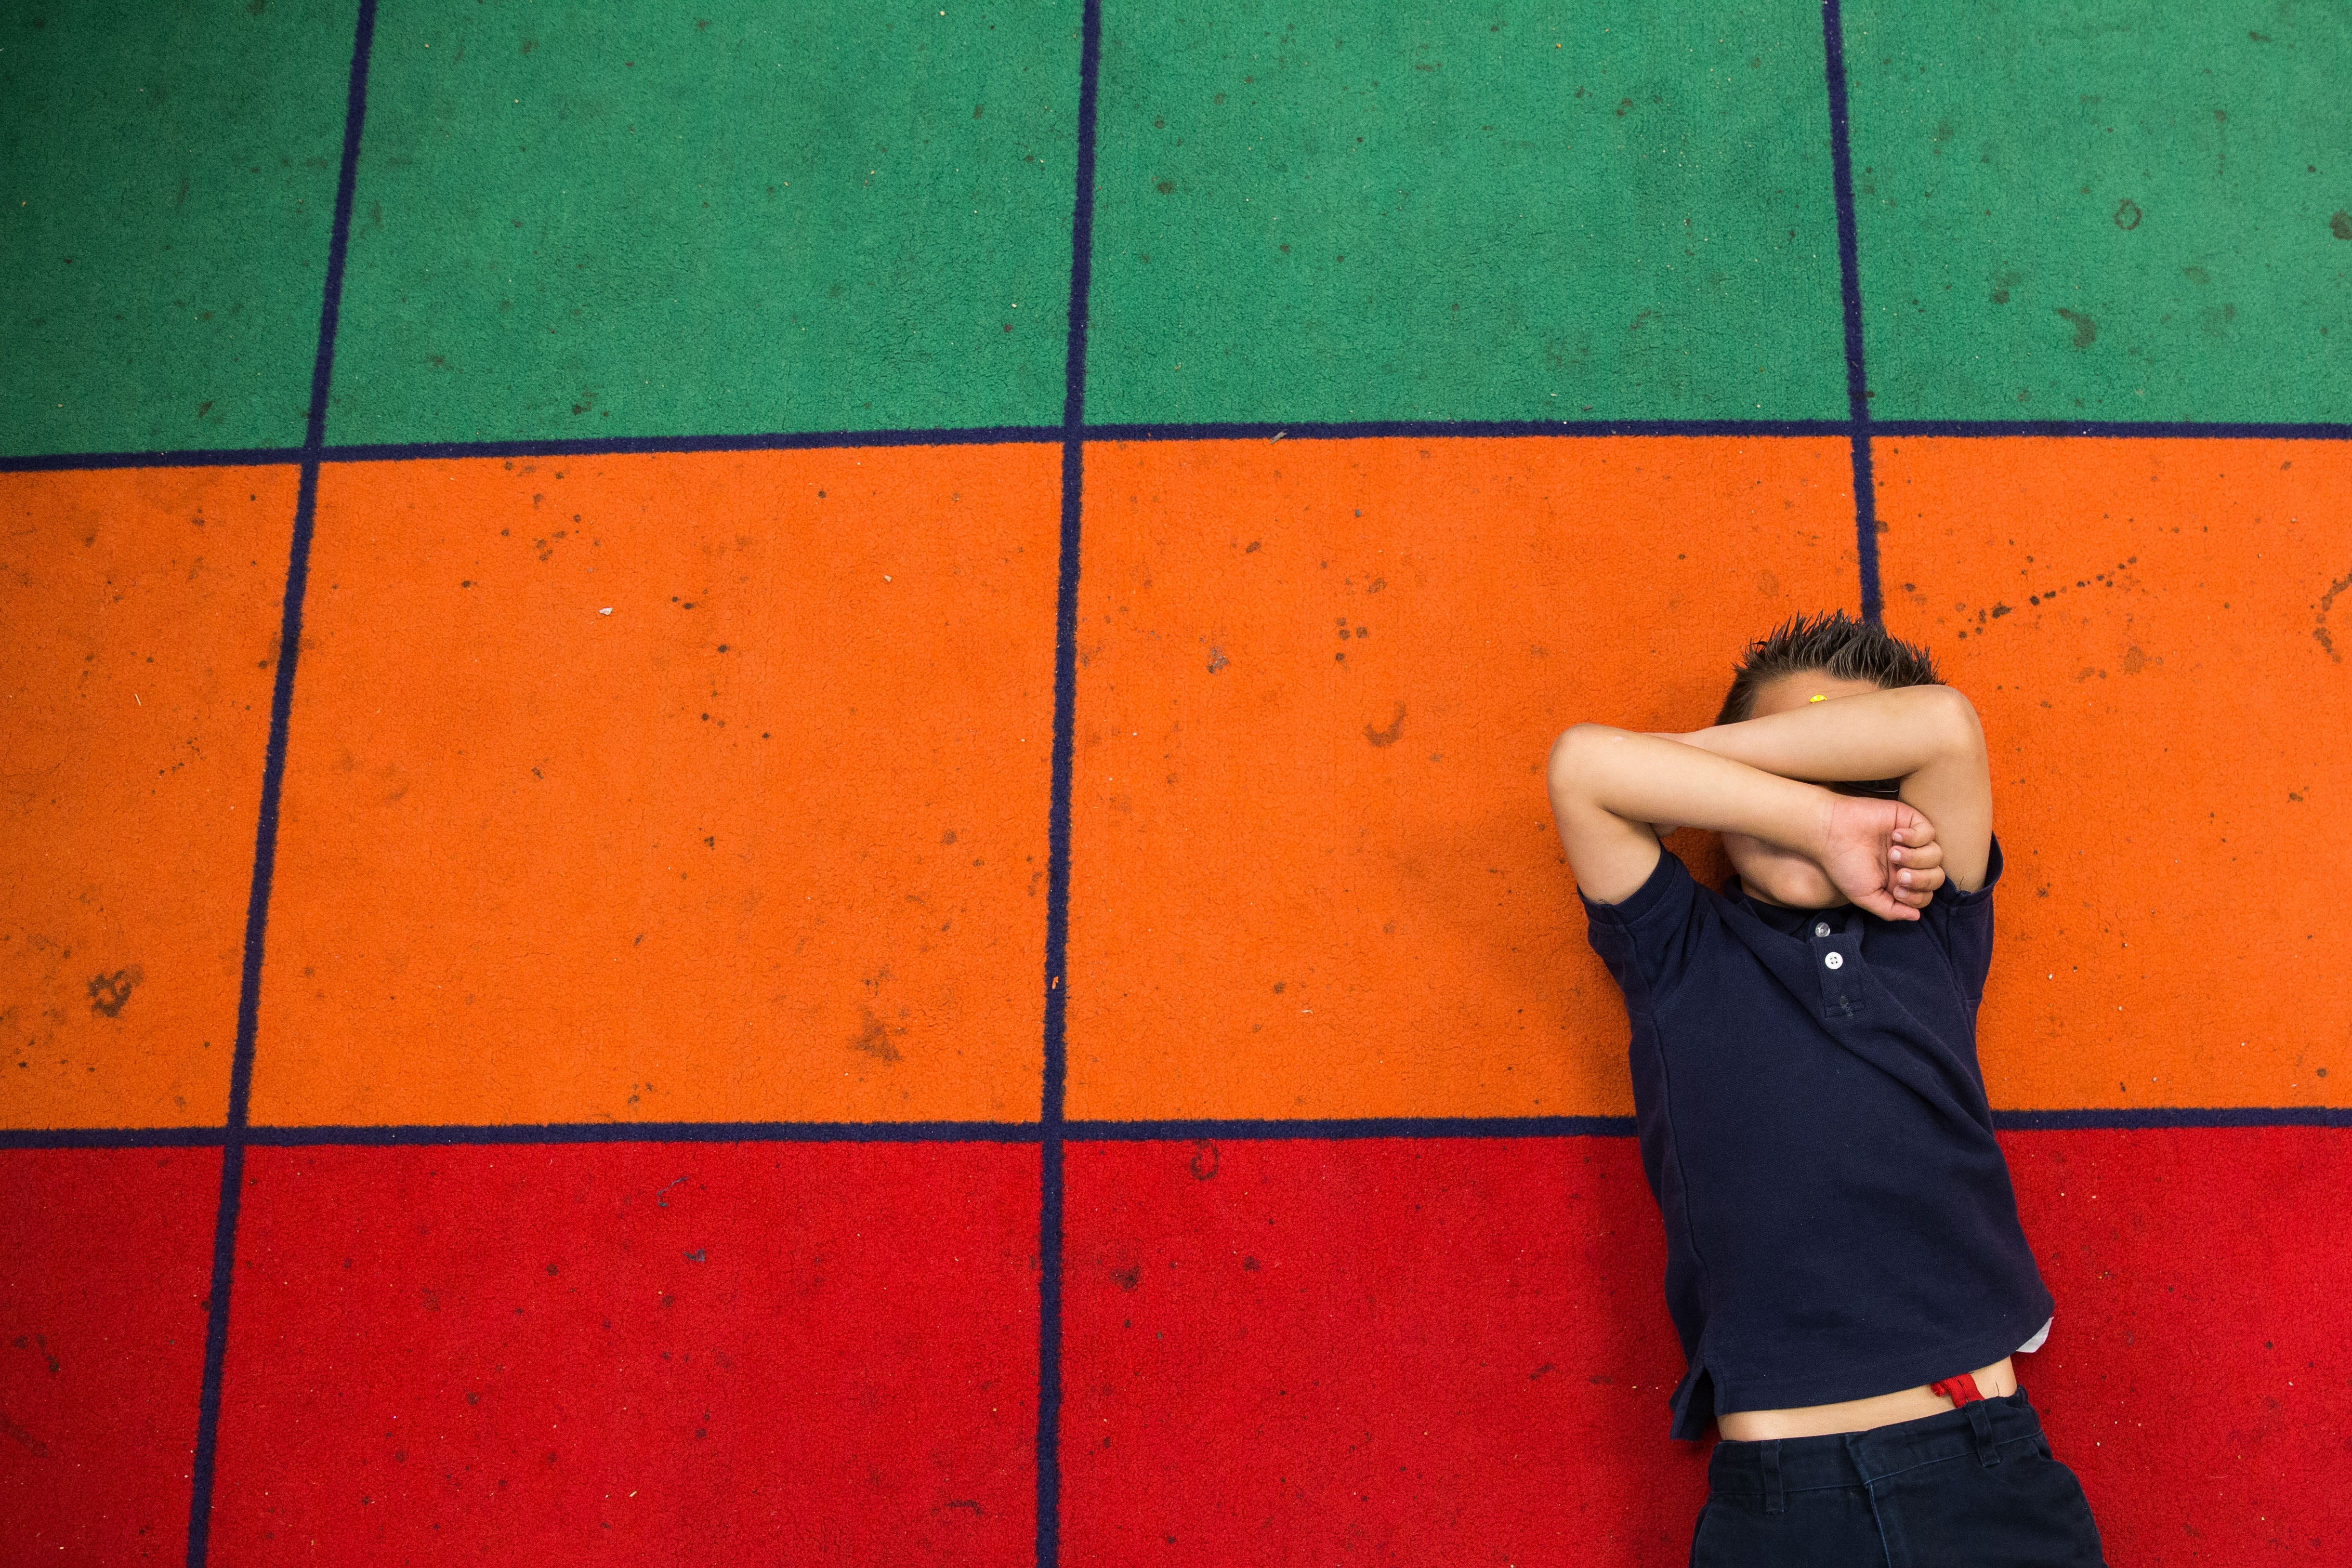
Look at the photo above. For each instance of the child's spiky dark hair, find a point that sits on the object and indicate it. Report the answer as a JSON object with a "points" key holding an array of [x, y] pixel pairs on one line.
{"points": [[1834, 644]]}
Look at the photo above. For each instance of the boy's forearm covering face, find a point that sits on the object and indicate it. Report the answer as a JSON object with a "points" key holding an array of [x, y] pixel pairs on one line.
{"points": [[1876, 734], [1646, 779]]}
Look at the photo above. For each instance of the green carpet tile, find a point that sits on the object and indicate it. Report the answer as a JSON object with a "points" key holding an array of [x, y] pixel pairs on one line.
{"points": [[167, 180], [2103, 210], [738, 218]]}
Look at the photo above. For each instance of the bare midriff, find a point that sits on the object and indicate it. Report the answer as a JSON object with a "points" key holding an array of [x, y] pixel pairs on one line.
{"points": [[1993, 1382]]}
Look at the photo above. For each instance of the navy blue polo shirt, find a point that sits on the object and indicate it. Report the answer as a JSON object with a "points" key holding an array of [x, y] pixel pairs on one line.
{"points": [[1839, 1216]]}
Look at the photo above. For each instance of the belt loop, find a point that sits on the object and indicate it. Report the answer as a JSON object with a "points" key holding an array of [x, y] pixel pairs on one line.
{"points": [[1775, 1500], [1980, 1421]]}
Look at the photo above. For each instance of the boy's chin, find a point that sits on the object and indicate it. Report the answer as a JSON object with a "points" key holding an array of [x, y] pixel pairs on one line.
{"points": [[1814, 893]]}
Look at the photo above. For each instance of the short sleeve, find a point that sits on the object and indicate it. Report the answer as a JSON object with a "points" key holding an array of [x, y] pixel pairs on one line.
{"points": [[1964, 920], [1645, 938]]}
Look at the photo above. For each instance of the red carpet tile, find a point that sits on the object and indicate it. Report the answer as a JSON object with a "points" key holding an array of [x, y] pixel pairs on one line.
{"points": [[1419, 1350], [1426, 1350], [2196, 1377], [105, 1267], [642, 1353], [1393, 1350]]}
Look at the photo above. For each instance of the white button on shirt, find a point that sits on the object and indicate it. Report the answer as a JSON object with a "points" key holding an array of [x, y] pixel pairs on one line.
{"points": [[1833, 960], [1821, 927]]}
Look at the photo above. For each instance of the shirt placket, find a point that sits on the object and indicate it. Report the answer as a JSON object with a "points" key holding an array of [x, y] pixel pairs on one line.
{"points": [[1837, 962]]}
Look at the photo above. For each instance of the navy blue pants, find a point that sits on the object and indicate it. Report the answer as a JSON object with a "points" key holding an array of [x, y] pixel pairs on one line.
{"points": [[1972, 1487]]}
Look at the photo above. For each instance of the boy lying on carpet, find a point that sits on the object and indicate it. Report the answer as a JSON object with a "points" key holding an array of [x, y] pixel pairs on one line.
{"points": [[1843, 1258]]}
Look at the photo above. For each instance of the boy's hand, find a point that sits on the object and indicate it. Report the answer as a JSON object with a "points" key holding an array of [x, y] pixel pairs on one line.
{"points": [[1918, 863], [1881, 854]]}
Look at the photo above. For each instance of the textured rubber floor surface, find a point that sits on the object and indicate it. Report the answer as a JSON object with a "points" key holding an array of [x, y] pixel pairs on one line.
{"points": [[770, 785]]}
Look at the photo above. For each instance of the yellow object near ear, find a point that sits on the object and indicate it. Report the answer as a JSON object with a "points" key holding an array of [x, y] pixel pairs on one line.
{"points": [[1817, 697]]}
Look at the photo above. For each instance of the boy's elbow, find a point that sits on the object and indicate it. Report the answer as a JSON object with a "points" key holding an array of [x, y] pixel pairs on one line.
{"points": [[1967, 728], [1566, 751]]}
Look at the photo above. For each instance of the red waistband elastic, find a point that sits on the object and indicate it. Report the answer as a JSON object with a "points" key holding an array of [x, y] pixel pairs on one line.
{"points": [[1960, 1390]]}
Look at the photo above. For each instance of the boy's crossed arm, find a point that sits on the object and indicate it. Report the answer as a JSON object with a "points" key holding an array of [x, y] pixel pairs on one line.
{"points": [[1609, 784]]}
